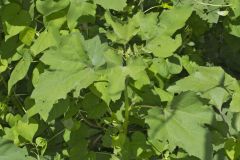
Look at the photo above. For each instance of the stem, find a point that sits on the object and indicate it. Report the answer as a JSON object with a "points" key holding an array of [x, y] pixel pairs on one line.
{"points": [[223, 118], [90, 124], [153, 7], [127, 109], [56, 135], [214, 5], [109, 110]]}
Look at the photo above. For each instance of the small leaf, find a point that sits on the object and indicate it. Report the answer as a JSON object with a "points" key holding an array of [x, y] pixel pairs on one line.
{"points": [[3, 65], [20, 70], [27, 35], [41, 142], [223, 13], [232, 148]]}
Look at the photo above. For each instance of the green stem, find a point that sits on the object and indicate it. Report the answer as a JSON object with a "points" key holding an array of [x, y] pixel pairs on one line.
{"points": [[153, 7], [90, 124], [127, 109], [213, 5], [56, 135]]}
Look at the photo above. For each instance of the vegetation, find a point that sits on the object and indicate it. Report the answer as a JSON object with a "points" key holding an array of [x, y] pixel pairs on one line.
{"points": [[119, 79]]}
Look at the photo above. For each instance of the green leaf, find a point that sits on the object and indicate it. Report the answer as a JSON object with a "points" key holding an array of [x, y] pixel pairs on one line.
{"points": [[46, 39], [9, 151], [116, 82], [135, 69], [53, 86], [122, 32], [117, 5], [136, 147], [172, 125], [232, 148], [78, 143], [41, 142], [26, 130], [234, 29], [27, 35], [217, 96], [94, 106], [207, 10], [77, 9], [164, 46], [203, 80], [164, 95], [3, 65], [235, 103], [235, 5], [20, 70], [148, 25], [59, 109], [15, 19], [47, 7], [96, 51], [236, 121], [101, 90], [170, 23], [68, 72]]}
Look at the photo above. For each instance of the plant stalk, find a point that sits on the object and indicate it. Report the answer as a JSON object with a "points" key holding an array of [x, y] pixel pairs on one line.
{"points": [[127, 110]]}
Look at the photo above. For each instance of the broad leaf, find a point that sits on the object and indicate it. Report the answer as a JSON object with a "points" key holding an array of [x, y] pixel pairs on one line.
{"points": [[8, 151], [170, 22], [163, 46], [68, 72], [46, 39], [171, 124], [205, 79]]}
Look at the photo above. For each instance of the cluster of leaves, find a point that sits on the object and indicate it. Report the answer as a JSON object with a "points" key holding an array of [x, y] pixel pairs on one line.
{"points": [[119, 79]]}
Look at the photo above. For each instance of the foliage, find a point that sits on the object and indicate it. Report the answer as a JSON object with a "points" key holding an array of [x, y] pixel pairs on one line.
{"points": [[119, 79]]}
